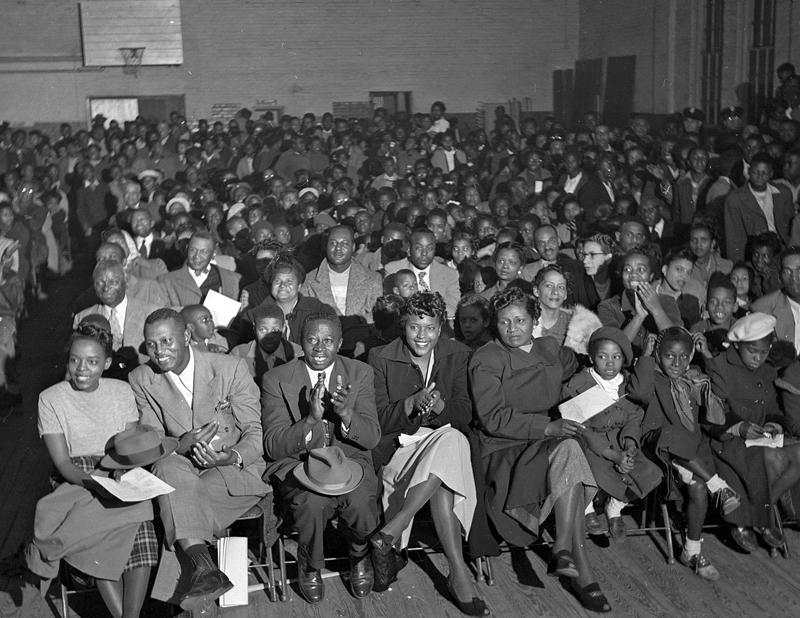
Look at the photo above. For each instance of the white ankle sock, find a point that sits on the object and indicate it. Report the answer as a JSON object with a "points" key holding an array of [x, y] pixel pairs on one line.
{"points": [[692, 548], [614, 507], [715, 483]]}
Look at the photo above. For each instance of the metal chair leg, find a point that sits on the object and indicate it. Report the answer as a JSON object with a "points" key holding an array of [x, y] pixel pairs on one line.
{"points": [[478, 569], [489, 572], [64, 603], [668, 532], [785, 547], [284, 592]]}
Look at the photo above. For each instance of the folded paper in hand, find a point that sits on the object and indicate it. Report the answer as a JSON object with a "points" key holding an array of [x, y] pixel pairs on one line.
{"points": [[773, 441], [586, 405], [423, 432], [222, 308], [135, 485]]}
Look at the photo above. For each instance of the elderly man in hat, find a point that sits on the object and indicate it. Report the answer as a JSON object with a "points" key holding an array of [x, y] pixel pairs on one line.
{"points": [[190, 284], [210, 403], [317, 401], [693, 120]]}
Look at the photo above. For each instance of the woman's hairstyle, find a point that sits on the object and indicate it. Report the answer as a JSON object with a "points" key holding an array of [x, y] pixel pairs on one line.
{"points": [[474, 300], [561, 204], [386, 311], [424, 304], [705, 226], [770, 240], [510, 246], [745, 266], [286, 264], [605, 241], [649, 250], [679, 253], [674, 334], [513, 296], [554, 268], [94, 330]]}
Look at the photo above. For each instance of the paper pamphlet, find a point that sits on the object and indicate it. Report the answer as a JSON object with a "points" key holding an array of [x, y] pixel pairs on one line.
{"points": [[423, 432], [232, 560], [222, 308], [135, 485], [586, 405], [775, 441]]}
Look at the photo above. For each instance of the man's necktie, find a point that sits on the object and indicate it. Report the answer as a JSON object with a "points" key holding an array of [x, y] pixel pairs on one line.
{"points": [[116, 328], [325, 425], [143, 250], [423, 283]]}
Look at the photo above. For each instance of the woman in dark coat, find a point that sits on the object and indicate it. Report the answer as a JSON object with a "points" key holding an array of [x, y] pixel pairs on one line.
{"points": [[283, 277], [424, 409], [533, 465]]}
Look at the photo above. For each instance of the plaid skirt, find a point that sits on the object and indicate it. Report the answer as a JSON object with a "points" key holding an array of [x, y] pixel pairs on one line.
{"points": [[144, 552]]}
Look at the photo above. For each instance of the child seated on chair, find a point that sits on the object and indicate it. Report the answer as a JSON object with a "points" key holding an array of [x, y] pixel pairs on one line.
{"points": [[612, 442], [205, 337], [674, 394], [720, 306]]}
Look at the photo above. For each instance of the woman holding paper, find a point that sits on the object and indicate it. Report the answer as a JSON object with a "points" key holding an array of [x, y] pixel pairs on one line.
{"points": [[423, 405], [77, 417], [533, 465]]}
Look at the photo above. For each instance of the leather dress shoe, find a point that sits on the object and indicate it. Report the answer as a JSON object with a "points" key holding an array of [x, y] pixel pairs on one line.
{"points": [[745, 538], [206, 585], [311, 584], [361, 576]]}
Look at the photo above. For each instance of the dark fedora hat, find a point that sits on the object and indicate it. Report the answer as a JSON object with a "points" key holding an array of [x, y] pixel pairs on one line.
{"points": [[138, 446], [328, 471]]}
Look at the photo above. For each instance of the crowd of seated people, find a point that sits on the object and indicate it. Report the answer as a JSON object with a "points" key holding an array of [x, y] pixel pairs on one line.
{"points": [[416, 301]]}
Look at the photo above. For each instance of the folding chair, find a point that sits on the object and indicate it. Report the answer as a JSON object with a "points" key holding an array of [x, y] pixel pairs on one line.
{"points": [[263, 511]]}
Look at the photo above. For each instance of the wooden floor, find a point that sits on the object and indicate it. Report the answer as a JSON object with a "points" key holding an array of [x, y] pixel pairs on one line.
{"points": [[633, 574]]}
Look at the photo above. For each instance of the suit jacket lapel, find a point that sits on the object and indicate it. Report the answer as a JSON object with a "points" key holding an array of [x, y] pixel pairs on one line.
{"points": [[354, 289], [175, 406], [297, 390], [186, 281], [205, 395], [132, 321]]}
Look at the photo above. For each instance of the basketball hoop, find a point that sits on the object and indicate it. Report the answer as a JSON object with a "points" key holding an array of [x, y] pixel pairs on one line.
{"points": [[132, 59]]}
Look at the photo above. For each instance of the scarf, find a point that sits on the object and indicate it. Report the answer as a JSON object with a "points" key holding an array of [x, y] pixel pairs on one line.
{"points": [[611, 387], [694, 386]]}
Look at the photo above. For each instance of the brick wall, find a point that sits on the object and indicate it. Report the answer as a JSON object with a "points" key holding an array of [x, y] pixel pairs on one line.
{"points": [[300, 54]]}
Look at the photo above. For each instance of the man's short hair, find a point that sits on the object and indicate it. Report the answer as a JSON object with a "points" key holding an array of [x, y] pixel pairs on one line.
{"points": [[104, 265], [164, 314], [267, 311], [321, 317], [761, 157], [204, 235], [679, 253]]}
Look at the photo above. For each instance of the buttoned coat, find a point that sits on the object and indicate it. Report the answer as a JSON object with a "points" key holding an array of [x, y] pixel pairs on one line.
{"points": [[218, 380], [285, 404]]}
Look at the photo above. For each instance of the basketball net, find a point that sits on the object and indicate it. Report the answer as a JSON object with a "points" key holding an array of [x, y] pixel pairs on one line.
{"points": [[132, 59]]}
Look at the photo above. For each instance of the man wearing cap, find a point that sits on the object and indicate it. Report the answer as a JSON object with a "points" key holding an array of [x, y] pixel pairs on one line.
{"points": [[322, 400], [732, 119], [190, 284], [210, 403], [757, 207], [343, 283], [693, 120]]}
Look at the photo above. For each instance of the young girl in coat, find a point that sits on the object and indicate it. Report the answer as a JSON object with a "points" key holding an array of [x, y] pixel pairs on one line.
{"points": [[612, 439], [677, 398]]}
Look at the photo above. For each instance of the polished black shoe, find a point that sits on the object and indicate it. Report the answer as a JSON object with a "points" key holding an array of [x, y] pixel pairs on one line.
{"points": [[206, 585], [745, 538], [311, 585], [361, 576]]}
